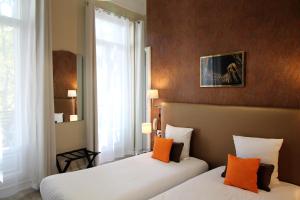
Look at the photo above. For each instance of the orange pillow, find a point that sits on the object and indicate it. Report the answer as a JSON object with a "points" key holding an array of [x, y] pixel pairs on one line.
{"points": [[242, 173], [162, 148]]}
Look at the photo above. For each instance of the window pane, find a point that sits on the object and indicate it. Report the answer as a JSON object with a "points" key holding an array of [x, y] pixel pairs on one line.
{"points": [[8, 52], [9, 8], [110, 31], [115, 86]]}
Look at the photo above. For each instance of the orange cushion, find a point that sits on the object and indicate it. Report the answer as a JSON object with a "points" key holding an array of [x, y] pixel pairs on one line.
{"points": [[162, 148], [242, 173]]}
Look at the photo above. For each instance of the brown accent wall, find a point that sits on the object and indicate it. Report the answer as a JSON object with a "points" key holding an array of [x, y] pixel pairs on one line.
{"points": [[179, 32], [64, 73]]}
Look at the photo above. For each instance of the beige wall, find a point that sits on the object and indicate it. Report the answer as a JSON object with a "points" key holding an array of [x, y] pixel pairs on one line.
{"points": [[68, 25], [70, 136], [68, 34]]}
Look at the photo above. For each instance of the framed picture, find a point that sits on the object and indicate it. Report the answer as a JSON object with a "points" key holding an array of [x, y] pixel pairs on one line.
{"points": [[224, 70]]}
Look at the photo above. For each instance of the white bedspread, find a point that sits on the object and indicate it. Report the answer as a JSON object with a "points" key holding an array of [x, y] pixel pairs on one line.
{"points": [[209, 186], [138, 177]]}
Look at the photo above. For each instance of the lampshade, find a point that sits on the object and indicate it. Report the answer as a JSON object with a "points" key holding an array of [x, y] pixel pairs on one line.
{"points": [[72, 93], [73, 118], [153, 94], [146, 128]]}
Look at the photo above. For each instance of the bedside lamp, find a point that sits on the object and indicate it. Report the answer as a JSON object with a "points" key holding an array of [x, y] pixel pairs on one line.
{"points": [[73, 118], [146, 128], [72, 93]]}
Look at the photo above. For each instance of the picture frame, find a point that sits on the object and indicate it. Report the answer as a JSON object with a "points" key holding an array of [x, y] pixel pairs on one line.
{"points": [[223, 70]]}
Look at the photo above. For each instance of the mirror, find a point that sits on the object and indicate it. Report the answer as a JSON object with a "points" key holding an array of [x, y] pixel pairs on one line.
{"points": [[67, 82]]}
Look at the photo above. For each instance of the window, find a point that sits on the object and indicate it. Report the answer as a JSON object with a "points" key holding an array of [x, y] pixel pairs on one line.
{"points": [[115, 85], [10, 65], [9, 47], [26, 114]]}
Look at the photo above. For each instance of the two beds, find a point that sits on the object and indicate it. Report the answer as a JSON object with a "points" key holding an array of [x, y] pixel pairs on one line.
{"points": [[138, 177], [142, 177]]}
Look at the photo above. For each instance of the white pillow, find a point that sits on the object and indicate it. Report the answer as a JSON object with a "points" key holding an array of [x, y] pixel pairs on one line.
{"points": [[58, 117], [179, 134], [265, 149]]}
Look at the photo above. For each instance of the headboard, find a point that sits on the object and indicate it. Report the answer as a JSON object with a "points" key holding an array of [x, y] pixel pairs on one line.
{"points": [[214, 126]]}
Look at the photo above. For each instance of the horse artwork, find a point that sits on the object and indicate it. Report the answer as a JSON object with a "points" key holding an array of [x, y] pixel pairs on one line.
{"points": [[225, 70]]}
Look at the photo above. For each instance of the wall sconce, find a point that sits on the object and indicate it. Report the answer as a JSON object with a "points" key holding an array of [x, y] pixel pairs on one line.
{"points": [[153, 94], [73, 94]]}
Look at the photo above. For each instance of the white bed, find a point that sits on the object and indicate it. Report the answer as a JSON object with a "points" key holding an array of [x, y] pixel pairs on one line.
{"points": [[138, 177], [209, 186]]}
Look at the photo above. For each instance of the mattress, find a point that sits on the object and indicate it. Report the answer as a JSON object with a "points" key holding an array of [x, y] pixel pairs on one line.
{"points": [[209, 186], [138, 177]]}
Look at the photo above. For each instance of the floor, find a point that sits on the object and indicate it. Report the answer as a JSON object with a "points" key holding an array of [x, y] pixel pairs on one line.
{"points": [[26, 195], [35, 195]]}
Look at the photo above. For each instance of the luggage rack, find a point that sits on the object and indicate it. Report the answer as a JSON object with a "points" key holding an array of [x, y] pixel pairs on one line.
{"points": [[76, 155]]}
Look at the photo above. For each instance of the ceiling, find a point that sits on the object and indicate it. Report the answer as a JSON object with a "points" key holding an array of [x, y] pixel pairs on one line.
{"points": [[138, 6]]}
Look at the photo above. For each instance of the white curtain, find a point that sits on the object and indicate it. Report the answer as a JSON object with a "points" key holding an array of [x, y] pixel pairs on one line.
{"points": [[115, 85], [27, 151], [46, 140], [140, 87], [90, 97], [148, 88]]}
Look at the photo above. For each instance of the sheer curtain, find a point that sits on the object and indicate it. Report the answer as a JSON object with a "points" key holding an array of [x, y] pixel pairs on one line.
{"points": [[115, 85], [90, 97], [140, 86], [45, 149], [26, 96]]}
